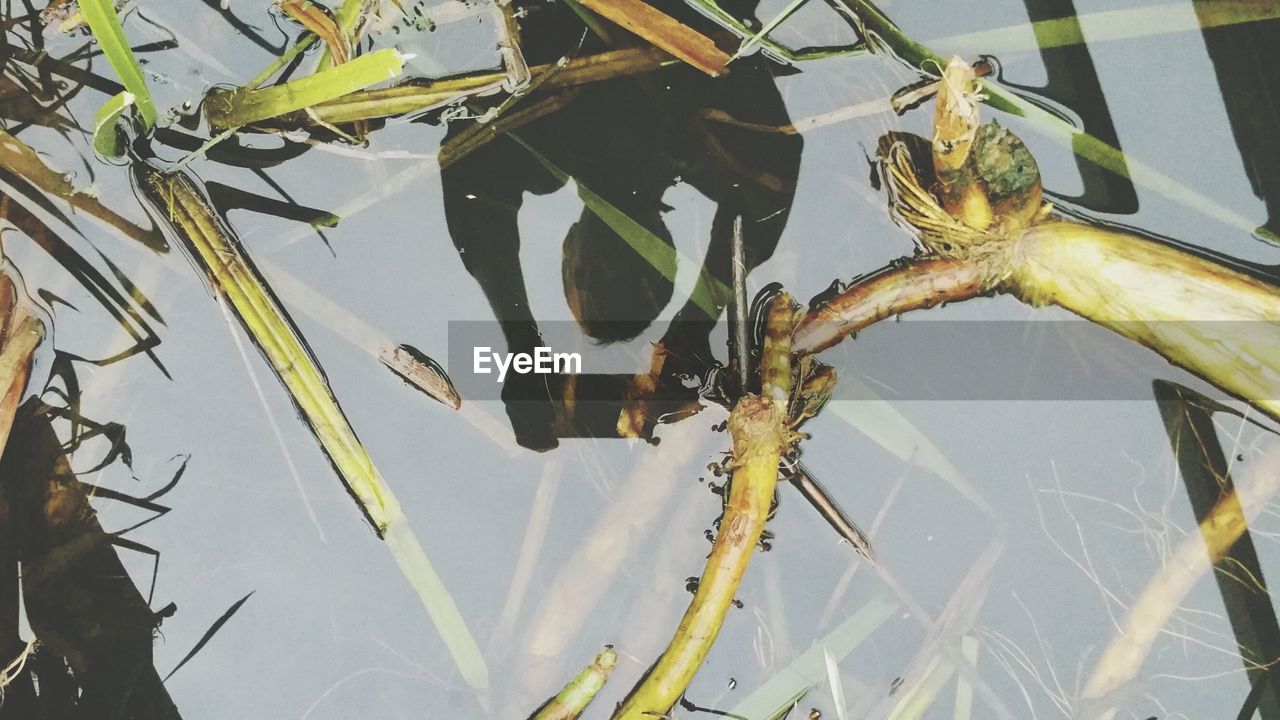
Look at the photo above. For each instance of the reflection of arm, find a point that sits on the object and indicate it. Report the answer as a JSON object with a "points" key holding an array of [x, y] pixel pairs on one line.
{"points": [[482, 197]]}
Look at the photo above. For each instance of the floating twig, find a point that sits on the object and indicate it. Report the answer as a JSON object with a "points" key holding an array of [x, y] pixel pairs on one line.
{"points": [[420, 371]]}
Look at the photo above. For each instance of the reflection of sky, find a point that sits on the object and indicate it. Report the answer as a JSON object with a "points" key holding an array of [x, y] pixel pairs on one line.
{"points": [[333, 630]]}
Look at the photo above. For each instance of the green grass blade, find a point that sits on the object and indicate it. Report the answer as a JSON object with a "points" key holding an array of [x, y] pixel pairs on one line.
{"points": [[782, 690], [769, 27], [709, 294], [226, 110], [235, 279], [106, 135], [443, 611], [107, 30]]}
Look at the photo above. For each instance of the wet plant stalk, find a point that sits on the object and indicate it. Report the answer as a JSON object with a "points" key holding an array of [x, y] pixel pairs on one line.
{"points": [[886, 293], [235, 279], [759, 437], [574, 698], [416, 97]]}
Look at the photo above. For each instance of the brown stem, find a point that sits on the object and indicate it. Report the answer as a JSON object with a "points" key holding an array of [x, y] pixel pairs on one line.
{"points": [[893, 290]]}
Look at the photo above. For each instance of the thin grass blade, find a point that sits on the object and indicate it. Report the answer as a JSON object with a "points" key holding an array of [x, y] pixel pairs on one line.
{"points": [[769, 27], [208, 634], [236, 108]]}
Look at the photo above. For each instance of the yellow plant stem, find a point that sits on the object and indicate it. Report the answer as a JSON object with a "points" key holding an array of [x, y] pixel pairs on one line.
{"points": [[1178, 573], [759, 438], [1203, 316], [574, 698], [1221, 324]]}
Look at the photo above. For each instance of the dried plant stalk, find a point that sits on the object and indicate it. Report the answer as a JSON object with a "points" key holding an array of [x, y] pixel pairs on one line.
{"points": [[20, 334], [665, 32]]}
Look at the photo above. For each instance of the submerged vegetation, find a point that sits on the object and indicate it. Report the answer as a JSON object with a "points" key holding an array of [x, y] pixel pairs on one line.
{"points": [[623, 100]]}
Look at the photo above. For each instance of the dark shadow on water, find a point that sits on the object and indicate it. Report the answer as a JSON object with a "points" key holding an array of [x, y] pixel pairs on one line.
{"points": [[1188, 421], [628, 140], [1245, 57], [95, 629], [1073, 82]]}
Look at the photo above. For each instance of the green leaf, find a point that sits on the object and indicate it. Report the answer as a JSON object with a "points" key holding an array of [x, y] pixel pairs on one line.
{"points": [[246, 107], [106, 134], [105, 25]]}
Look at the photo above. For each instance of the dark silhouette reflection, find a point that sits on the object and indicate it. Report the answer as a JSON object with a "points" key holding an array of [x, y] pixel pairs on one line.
{"points": [[95, 630], [628, 140], [1073, 82], [1188, 421], [1245, 57]]}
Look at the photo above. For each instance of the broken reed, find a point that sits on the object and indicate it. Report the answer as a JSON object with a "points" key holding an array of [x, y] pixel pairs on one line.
{"points": [[574, 698], [216, 250]]}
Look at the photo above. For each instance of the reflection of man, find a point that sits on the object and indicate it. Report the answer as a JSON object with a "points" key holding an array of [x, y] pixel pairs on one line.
{"points": [[628, 140]]}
